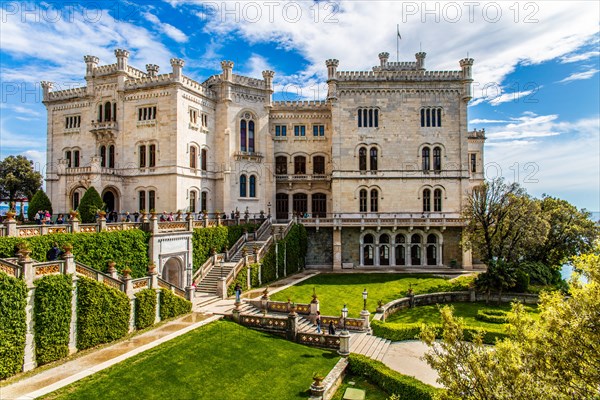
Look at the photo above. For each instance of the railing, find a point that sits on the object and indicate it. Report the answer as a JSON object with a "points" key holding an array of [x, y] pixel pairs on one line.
{"points": [[236, 247], [169, 286], [172, 226], [11, 268], [319, 340], [141, 284], [352, 324], [266, 323], [29, 231], [264, 227], [302, 177], [386, 219], [84, 270], [49, 268], [285, 307], [88, 228]]}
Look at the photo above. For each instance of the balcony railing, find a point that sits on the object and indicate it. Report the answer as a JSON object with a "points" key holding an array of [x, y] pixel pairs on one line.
{"points": [[248, 155], [390, 220], [106, 126], [302, 177]]}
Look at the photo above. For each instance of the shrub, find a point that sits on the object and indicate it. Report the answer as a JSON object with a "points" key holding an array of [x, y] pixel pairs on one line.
{"points": [[39, 201], [145, 308], [102, 313], [90, 203], [295, 245], [13, 299], [52, 314], [492, 316], [172, 306], [405, 387], [234, 232], [204, 240], [521, 281], [126, 248]]}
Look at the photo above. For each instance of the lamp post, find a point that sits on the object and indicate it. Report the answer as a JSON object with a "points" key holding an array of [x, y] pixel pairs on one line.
{"points": [[344, 316], [344, 336], [365, 294], [269, 211], [365, 314]]}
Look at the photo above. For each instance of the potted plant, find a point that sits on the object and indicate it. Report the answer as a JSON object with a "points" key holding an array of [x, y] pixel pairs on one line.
{"points": [[111, 266], [126, 273], [74, 215], [380, 304], [318, 379]]}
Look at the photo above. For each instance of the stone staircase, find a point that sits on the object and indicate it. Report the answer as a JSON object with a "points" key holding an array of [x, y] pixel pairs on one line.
{"points": [[360, 342], [208, 284]]}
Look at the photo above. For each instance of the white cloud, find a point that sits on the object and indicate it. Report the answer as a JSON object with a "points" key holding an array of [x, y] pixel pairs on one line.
{"points": [[255, 65], [578, 76], [168, 29], [487, 121], [571, 58]]}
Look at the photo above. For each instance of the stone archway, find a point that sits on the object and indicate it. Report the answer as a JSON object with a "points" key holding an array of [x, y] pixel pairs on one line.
{"points": [[111, 200], [173, 271]]}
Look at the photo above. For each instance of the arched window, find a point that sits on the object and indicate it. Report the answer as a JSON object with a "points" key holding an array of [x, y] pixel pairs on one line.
{"points": [[252, 186], [400, 250], [114, 113], [142, 150], [318, 165], [152, 155], [299, 165], [368, 250], [251, 136], [203, 201], [107, 109], [362, 159], [243, 133], [193, 157], [384, 250], [151, 200], [426, 200], [75, 201], [428, 116], [75, 158], [376, 121], [363, 200], [359, 114], [368, 117], [281, 165], [437, 158], [425, 158], [111, 156], [374, 200], [437, 200], [192, 201], [439, 117], [431, 249], [203, 159], [100, 113], [103, 156], [373, 159], [415, 249], [300, 204], [319, 205], [142, 200], [68, 158], [243, 186]]}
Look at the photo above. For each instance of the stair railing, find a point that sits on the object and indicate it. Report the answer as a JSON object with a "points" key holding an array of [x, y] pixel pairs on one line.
{"points": [[265, 226]]}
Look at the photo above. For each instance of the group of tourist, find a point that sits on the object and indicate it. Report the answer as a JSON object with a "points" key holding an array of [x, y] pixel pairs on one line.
{"points": [[45, 217]]}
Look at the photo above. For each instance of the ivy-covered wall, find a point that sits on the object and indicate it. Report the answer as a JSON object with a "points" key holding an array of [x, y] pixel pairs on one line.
{"points": [[242, 279], [205, 239], [13, 299], [102, 313], [172, 306], [126, 248], [145, 308], [291, 254], [52, 316]]}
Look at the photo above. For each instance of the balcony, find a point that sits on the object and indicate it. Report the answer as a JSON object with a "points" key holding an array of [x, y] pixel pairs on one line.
{"points": [[248, 156], [105, 130], [387, 220], [302, 177]]}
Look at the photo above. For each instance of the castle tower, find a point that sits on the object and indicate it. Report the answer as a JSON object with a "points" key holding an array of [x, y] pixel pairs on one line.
{"points": [[227, 67], [332, 65], [268, 77], [46, 88], [466, 65], [91, 63], [177, 65], [122, 59], [152, 70], [383, 59], [421, 60]]}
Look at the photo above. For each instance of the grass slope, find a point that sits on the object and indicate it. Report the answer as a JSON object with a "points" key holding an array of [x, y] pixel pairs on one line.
{"points": [[335, 290], [221, 360]]}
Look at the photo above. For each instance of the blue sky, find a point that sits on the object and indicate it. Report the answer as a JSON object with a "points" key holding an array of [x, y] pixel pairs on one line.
{"points": [[536, 65]]}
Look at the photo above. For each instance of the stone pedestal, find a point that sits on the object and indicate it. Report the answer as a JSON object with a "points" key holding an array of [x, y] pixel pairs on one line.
{"points": [[222, 288], [344, 343], [365, 315], [337, 249], [292, 327], [236, 315]]}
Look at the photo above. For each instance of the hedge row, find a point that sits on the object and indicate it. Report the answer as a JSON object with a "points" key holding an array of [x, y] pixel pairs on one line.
{"points": [[52, 315], [172, 306], [234, 232], [405, 387], [400, 332], [145, 308], [242, 279], [126, 248], [492, 316], [13, 299], [291, 254], [102, 313], [206, 239]]}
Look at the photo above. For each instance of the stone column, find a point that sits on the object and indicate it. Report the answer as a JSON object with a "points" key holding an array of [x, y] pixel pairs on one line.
{"points": [[26, 263], [101, 223], [344, 350], [222, 288], [70, 269], [190, 222], [129, 293], [292, 325], [337, 249], [249, 276], [74, 224], [11, 227], [365, 314]]}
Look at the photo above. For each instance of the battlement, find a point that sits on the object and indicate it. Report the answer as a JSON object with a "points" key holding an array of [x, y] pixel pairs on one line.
{"points": [[247, 81], [402, 75], [67, 94], [105, 69], [301, 104], [476, 134], [135, 73], [198, 87], [397, 66], [149, 81]]}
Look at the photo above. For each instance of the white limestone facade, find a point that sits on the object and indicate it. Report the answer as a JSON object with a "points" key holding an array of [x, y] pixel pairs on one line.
{"points": [[388, 150]]}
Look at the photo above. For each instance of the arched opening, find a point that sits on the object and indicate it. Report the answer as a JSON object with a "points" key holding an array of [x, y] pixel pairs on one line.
{"points": [[173, 272], [281, 206], [415, 250], [362, 159], [373, 159], [281, 165], [437, 200], [107, 110], [431, 249], [363, 200], [368, 250], [300, 204], [384, 250], [319, 205], [400, 250], [110, 199]]}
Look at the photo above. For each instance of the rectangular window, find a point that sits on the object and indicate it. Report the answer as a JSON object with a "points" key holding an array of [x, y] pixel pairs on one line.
{"points": [[319, 165], [299, 130], [318, 130], [280, 130], [147, 113], [68, 157], [142, 200], [473, 162], [76, 158], [193, 116], [73, 121], [151, 200], [152, 157], [142, 150]]}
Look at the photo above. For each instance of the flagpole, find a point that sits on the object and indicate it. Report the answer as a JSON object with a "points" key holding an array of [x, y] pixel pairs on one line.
{"points": [[397, 43]]}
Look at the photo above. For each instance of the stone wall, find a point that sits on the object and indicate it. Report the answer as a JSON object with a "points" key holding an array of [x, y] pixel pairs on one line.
{"points": [[320, 247]]}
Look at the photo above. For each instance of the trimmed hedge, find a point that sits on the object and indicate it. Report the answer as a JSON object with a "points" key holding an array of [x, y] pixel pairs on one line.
{"points": [[145, 308], [405, 387], [291, 249], [400, 332], [172, 306], [52, 314], [205, 239], [13, 299], [492, 316], [39, 201], [89, 205], [102, 313], [234, 232], [126, 248]]}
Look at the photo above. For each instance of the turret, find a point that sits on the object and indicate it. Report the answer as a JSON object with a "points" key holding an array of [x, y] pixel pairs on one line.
{"points": [[91, 63], [466, 65], [332, 78], [152, 70], [177, 65], [122, 57], [46, 88], [383, 59], [227, 70], [331, 68], [268, 77], [421, 60]]}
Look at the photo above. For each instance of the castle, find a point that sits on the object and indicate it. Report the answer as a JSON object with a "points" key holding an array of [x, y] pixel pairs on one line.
{"points": [[378, 171]]}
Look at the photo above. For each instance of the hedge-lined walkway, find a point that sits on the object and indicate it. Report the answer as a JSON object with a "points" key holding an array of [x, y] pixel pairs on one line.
{"points": [[63, 374]]}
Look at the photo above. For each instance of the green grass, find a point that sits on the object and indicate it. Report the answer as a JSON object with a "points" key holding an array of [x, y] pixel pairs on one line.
{"points": [[373, 392], [335, 290], [431, 315], [221, 360]]}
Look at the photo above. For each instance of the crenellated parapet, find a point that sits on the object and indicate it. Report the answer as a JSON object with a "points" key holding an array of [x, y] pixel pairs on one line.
{"points": [[122, 59], [46, 88], [400, 75], [476, 134], [152, 70], [467, 70], [66, 94], [307, 105]]}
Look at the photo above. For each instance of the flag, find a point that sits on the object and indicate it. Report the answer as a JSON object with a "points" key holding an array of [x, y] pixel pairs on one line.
{"points": [[398, 31]]}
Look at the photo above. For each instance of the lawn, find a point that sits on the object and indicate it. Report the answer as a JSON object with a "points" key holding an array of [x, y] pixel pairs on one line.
{"points": [[372, 392], [467, 311], [335, 290], [221, 360]]}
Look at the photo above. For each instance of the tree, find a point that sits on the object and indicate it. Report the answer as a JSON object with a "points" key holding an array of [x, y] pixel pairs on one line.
{"points": [[18, 179], [552, 357], [500, 276], [90, 204], [503, 222], [572, 232], [40, 201]]}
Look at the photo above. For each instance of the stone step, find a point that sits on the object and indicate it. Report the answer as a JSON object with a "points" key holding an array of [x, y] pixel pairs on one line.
{"points": [[376, 347], [356, 340], [383, 350]]}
